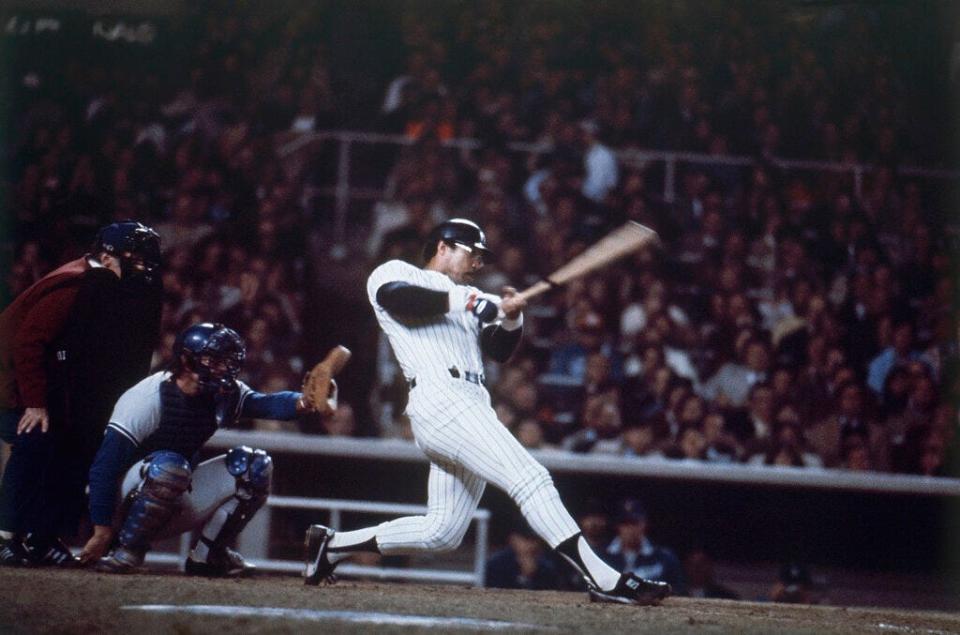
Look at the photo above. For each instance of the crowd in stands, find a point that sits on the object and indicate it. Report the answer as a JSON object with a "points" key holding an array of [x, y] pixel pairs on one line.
{"points": [[790, 318]]}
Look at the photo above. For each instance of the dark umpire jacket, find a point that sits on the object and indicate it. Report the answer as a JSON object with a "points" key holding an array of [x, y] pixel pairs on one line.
{"points": [[72, 343]]}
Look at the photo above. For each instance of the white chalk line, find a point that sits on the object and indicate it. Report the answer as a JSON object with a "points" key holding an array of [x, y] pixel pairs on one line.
{"points": [[353, 617]]}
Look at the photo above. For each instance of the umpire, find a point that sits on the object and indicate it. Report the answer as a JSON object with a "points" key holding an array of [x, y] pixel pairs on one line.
{"points": [[69, 345]]}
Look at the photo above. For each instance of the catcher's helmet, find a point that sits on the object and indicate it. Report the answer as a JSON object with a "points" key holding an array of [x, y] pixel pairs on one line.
{"points": [[135, 245], [458, 231], [213, 351]]}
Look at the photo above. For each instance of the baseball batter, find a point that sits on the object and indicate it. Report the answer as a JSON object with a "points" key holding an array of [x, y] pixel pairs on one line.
{"points": [[439, 326]]}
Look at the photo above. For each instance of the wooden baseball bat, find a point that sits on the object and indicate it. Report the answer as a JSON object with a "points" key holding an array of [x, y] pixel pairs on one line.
{"points": [[625, 239], [337, 358]]}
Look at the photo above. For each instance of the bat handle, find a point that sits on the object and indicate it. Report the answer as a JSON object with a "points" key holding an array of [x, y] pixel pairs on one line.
{"points": [[535, 290]]}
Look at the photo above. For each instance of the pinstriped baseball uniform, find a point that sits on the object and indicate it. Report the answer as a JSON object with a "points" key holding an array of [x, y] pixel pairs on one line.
{"points": [[430, 346], [456, 427], [434, 327]]}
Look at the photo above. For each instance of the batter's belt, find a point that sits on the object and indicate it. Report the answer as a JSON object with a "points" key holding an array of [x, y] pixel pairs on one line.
{"points": [[456, 373]]}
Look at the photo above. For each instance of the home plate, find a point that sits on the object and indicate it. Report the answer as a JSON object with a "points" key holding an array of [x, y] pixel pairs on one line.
{"points": [[351, 617]]}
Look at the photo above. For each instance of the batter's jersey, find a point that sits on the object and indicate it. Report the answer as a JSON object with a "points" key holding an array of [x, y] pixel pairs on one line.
{"points": [[427, 347], [138, 411]]}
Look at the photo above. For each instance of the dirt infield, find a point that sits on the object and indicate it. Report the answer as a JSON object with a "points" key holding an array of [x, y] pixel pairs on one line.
{"points": [[47, 601]]}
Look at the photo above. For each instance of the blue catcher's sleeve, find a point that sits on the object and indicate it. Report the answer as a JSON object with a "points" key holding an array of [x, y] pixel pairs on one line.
{"points": [[116, 454], [275, 405]]}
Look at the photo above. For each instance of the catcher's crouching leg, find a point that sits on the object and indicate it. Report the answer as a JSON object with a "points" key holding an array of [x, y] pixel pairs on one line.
{"points": [[166, 477], [212, 556]]}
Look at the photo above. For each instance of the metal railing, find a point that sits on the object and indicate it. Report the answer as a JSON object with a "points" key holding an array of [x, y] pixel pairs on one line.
{"points": [[256, 537], [560, 461], [343, 192]]}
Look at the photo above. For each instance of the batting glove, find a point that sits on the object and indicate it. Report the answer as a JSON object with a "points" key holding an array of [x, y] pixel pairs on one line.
{"points": [[485, 306]]}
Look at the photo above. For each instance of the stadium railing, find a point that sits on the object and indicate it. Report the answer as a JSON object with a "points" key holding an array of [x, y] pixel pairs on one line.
{"points": [[254, 540], [560, 461], [343, 192]]}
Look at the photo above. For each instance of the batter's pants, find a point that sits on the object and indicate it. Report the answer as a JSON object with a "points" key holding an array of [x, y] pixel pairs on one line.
{"points": [[455, 425]]}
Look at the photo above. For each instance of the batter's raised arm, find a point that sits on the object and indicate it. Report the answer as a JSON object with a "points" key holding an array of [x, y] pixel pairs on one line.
{"points": [[404, 300]]}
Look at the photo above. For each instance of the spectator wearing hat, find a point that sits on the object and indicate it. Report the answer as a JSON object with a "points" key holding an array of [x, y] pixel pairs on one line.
{"points": [[632, 551]]}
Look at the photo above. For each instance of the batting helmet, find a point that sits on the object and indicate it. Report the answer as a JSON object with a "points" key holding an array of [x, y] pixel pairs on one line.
{"points": [[213, 351], [457, 231], [135, 245]]}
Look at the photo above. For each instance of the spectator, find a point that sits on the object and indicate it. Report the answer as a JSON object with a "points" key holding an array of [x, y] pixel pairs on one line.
{"points": [[794, 585], [600, 165], [601, 426], [631, 550], [722, 447], [761, 408], [698, 567], [522, 564], [643, 439], [731, 384], [570, 360], [830, 436], [900, 350]]}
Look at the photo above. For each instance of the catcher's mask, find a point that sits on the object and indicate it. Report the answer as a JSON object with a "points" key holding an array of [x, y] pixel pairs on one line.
{"points": [[135, 245], [212, 351]]}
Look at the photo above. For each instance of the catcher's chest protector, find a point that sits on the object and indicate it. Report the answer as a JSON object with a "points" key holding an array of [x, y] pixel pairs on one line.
{"points": [[186, 423]]}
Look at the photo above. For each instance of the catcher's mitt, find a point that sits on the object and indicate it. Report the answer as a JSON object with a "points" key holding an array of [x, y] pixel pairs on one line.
{"points": [[319, 388]]}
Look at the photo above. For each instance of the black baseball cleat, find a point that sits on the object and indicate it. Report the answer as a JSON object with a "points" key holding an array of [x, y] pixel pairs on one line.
{"points": [[318, 566], [49, 552], [220, 564], [632, 589], [13, 553]]}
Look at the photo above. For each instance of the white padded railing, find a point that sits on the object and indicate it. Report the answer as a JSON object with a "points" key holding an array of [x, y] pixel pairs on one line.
{"points": [[559, 461], [256, 536]]}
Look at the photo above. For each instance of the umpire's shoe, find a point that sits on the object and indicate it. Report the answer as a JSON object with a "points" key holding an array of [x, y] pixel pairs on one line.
{"points": [[49, 552], [220, 563], [632, 589], [13, 553], [318, 566]]}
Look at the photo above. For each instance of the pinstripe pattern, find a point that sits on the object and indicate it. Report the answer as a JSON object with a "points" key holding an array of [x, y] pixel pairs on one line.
{"points": [[456, 427], [430, 346]]}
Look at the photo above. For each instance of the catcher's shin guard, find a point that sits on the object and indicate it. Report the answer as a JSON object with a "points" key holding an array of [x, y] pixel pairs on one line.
{"points": [[253, 471], [165, 479]]}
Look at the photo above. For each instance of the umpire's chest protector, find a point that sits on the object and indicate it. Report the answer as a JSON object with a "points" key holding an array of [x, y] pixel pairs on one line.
{"points": [[185, 422]]}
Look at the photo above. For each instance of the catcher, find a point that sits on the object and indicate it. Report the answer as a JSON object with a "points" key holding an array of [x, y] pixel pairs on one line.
{"points": [[149, 455]]}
